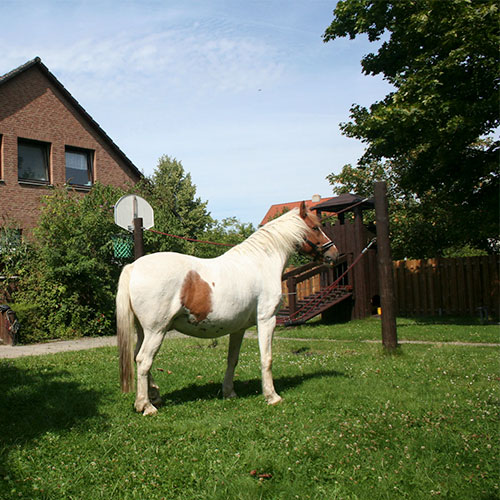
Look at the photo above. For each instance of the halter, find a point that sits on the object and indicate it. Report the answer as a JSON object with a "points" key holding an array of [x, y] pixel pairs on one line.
{"points": [[319, 250]]}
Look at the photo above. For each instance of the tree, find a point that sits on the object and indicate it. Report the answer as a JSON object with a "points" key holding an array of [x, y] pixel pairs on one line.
{"points": [[436, 126], [419, 228], [172, 194], [229, 231]]}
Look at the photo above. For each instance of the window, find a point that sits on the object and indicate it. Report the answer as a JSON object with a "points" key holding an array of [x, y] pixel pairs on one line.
{"points": [[33, 161], [79, 166]]}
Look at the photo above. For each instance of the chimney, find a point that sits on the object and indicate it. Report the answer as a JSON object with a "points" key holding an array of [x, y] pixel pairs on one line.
{"points": [[316, 198]]}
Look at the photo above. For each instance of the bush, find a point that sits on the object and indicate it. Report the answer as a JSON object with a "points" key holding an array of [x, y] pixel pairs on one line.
{"points": [[68, 283]]}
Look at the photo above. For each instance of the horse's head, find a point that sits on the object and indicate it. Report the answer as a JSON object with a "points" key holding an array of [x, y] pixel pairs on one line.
{"points": [[316, 242]]}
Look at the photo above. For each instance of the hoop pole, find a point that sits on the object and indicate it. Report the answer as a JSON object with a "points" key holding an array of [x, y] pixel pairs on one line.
{"points": [[385, 276], [138, 238]]}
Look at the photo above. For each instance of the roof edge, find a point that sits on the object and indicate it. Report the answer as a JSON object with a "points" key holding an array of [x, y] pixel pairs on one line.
{"points": [[20, 69], [38, 62]]}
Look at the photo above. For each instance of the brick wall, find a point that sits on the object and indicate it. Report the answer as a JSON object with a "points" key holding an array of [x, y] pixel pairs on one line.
{"points": [[32, 107]]}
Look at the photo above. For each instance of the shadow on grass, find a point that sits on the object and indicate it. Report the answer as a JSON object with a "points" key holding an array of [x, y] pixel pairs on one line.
{"points": [[33, 403], [243, 388]]}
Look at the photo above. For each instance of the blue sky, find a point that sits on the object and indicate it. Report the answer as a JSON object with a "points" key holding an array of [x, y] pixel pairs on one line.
{"points": [[243, 92]]}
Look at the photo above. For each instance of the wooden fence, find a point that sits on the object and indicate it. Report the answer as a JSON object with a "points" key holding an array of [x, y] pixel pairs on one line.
{"points": [[467, 286]]}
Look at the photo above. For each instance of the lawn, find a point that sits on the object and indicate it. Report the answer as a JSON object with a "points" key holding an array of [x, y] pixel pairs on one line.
{"points": [[445, 329], [355, 424]]}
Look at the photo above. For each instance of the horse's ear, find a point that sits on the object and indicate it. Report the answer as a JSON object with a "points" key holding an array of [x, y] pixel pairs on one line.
{"points": [[303, 210]]}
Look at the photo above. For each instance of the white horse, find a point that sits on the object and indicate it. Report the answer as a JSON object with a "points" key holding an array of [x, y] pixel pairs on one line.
{"points": [[208, 298]]}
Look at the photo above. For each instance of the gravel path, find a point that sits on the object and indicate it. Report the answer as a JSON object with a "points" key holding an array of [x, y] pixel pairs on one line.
{"points": [[52, 347], [9, 352], [18, 351]]}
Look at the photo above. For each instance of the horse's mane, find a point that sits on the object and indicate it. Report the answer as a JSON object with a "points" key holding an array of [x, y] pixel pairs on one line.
{"points": [[281, 235]]}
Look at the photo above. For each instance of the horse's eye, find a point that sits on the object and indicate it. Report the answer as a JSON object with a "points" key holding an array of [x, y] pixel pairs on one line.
{"points": [[315, 228]]}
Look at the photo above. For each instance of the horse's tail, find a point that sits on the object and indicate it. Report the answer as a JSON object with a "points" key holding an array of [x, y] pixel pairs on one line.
{"points": [[125, 325]]}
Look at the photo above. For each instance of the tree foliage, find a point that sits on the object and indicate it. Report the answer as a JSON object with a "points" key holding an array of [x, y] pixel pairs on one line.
{"points": [[68, 273], [419, 228], [437, 127], [177, 209], [229, 231]]}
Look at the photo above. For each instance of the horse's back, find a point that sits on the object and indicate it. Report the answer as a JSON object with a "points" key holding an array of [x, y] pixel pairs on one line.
{"points": [[157, 269]]}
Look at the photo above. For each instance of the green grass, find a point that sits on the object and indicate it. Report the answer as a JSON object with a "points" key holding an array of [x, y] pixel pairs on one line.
{"points": [[426, 329], [355, 424]]}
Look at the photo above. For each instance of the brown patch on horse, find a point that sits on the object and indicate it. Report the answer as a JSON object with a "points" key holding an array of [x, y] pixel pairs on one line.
{"points": [[196, 296]]}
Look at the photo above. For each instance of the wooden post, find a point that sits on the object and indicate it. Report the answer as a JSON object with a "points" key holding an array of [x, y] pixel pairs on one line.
{"points": [[385, 276], [362, 306], [138, 239], [292, 295]]}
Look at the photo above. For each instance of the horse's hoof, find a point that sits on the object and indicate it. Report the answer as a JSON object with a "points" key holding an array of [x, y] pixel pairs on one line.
{"points": [[139, 406], [274, 400], [149, 410], [231, 395]]}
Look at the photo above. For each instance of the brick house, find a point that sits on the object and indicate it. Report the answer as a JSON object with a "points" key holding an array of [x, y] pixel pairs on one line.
{"points": [[47, 139]]}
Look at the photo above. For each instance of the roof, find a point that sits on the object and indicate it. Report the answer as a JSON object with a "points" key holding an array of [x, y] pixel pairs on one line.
{"points": [[279, 208], [344, 201], [37, 62]]}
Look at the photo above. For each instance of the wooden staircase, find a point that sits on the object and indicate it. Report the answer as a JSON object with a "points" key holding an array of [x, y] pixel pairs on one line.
{"points": [[326, 293], [312, 305]]}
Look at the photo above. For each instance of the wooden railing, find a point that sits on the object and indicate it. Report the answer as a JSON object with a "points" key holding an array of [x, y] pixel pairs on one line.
{"points": [[301, 282]]}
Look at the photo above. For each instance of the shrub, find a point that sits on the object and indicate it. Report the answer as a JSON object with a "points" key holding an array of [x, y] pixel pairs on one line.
{"points": [[67, 286]]}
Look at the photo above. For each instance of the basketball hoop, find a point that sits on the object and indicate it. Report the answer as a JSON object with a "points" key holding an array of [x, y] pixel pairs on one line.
{"points": [[123, 246]]}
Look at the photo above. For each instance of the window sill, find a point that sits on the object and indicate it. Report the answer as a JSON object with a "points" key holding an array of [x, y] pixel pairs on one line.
{"points": [[78, 187], [24, 182]]}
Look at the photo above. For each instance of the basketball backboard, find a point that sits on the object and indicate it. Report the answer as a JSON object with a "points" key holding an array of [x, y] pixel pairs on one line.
{"points": [[130, 207]]}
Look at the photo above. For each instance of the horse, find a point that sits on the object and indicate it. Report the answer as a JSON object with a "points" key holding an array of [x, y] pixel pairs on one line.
{"points": [[209, 298]]}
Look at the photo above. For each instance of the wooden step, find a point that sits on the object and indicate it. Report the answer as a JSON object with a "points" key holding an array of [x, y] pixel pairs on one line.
{"points": [[314, 304]]}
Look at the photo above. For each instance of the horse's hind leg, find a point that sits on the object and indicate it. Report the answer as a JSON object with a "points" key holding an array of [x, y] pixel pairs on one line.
{"points": [[140, 338], [153, 389], [144, 359], [235, 340]]}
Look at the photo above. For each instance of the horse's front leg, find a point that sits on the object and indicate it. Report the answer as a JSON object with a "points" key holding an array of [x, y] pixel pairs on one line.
{"points": [[233, 353], [265, 330]]}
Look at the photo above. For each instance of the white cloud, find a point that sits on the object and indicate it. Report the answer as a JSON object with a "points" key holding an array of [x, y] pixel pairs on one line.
{"points": [[176, 58]]}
